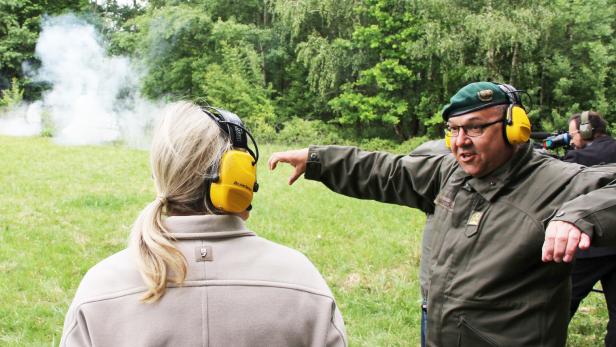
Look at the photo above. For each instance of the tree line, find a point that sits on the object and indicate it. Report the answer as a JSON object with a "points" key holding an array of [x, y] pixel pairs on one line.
{"points": [[345, 69]]}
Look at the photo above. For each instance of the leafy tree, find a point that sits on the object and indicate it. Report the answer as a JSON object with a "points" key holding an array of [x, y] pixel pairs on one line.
{"points": [[382, 92], [19, 28], [235, 83], [13, 96], [578, 60], [370, 68], [169, 40]]}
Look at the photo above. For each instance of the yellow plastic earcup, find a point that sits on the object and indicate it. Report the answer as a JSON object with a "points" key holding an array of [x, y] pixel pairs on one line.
{"points": [[448, 139], [518, 127], [233, 190]]}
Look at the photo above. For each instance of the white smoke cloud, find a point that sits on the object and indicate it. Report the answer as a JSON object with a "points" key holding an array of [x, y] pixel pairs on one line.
{"points": [[23, 120], [94, 97]]}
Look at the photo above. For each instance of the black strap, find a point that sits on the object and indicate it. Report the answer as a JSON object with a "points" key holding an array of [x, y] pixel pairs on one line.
{"points": [[232, 125], [512, 93]]}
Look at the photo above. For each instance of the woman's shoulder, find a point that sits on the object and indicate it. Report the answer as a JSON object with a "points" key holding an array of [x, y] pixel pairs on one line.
{"points": [[113, 275], [270, 261]]}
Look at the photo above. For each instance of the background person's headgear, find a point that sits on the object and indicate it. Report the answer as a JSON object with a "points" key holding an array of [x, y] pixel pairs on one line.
{"points": [[232, 185], [479, 95], [586, 130]]}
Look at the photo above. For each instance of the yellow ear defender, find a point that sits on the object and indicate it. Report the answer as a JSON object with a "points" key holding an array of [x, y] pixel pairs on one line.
{"points": [[517, 124], [232, 186], [448, 138], [233, 190], [517, 129]]}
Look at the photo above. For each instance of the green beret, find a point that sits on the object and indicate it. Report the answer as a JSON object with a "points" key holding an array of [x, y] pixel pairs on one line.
{"points": [[474, 97]]}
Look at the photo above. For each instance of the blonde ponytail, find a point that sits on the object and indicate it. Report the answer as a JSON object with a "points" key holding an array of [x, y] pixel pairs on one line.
{"points": [[158, 259], [185, 147]]}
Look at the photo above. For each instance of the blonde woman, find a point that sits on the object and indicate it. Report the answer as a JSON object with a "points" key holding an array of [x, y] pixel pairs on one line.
{"points": [[193, 275]]}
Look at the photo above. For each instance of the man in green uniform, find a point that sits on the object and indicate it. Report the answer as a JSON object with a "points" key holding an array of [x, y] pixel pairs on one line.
{"points": [[507, 222]]}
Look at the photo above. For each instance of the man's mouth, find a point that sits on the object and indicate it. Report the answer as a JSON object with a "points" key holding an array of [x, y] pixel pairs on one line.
{"points": [[466, 156]]}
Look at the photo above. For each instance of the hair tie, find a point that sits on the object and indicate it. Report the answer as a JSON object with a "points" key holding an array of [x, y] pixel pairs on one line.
{"points": [[162, 199]]}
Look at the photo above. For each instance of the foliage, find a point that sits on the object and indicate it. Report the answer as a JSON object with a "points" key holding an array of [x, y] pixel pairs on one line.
{"points": [[301, 132], [167, 44], [383, 89], [48, 128], [236, 79], [13, 96], [375, 68], [19, 28]]}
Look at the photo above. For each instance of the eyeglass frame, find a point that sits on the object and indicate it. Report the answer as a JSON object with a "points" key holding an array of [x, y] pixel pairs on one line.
{"points": [[455, 131], [571, 133]]}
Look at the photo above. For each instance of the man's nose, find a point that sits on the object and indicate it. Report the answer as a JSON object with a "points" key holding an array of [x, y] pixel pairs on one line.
{"points": [[462, 139]]}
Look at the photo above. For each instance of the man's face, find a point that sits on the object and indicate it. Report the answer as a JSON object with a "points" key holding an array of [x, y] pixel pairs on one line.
{"points": [[482, 154], [576, 139]]}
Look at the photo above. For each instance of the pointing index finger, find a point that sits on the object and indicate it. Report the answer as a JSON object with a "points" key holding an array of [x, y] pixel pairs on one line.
{"points": [[273, 161]]}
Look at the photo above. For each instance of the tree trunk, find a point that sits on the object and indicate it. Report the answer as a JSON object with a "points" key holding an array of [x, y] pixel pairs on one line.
{"points": [[399, 130], [514, 63]]}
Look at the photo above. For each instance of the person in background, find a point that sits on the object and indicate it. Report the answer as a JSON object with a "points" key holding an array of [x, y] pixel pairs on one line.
{"points": [[193, 273], [593, 146], [507, 221]]}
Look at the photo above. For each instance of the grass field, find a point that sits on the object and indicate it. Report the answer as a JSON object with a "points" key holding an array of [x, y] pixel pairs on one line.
{"points": [[64, 209]]}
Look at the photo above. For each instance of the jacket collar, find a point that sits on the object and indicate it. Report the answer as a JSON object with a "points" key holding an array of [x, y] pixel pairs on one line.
{"points": [[490, 185], [206, 226], [601, 139]]}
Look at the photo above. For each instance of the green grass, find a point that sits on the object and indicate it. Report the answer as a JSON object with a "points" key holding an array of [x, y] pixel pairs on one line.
{"points": [[65, 208]]}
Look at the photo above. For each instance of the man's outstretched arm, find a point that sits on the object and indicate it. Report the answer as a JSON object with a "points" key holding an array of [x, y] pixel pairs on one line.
{"points": [[405, 180], [588, 217]]}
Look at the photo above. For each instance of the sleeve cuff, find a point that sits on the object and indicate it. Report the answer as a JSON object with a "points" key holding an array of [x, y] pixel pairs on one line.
{"points": [[585, 226], [313, 164]]}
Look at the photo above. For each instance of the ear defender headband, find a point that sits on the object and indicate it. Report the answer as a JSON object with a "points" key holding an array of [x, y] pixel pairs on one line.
{"points": [[517, 124], [232, 185], [585, 126]]}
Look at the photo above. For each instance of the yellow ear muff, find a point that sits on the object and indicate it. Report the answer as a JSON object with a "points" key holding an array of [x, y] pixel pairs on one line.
{"points": [[448, 138], [233, 190], [517, 129]]}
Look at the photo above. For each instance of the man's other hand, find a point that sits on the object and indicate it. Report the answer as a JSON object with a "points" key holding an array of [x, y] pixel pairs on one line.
{"points": [[296, 158], [561, 241]]}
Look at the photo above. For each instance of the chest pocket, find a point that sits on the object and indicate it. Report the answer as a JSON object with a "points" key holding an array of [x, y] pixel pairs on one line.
{"points": [[447, 197]]}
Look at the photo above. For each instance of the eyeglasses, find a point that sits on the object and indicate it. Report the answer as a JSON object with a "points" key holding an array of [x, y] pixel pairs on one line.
{"points": [[470, 130]]}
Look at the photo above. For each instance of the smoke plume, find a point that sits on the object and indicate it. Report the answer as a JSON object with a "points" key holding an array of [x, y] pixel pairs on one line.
{"points": [[94, 97]]}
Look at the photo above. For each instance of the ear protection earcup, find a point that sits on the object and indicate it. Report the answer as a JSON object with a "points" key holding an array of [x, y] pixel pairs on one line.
{"points": [[448, 139], [231, 188], [517, 128], [517, 125], [585, 126], [236, 183]]}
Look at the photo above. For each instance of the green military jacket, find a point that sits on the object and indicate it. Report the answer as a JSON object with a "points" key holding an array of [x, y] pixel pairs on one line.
{"points": [[487, 284]]}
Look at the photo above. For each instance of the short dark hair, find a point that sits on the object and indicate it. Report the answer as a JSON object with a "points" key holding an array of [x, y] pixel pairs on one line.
{"points": [[598, 124]]}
